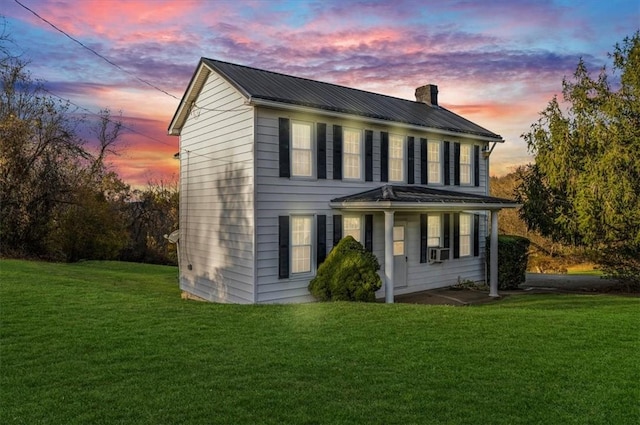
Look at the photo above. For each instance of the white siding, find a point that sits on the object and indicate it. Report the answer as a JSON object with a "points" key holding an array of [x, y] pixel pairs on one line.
{"points": [[423, 276], [277, 196], [216, 196]]}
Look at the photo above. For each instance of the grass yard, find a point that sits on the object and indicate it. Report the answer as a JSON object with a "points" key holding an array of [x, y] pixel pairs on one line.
{"points": [[113, 343]]}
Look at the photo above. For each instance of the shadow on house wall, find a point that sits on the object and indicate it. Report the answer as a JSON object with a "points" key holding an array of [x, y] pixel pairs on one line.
{"points": [[221, 237]]}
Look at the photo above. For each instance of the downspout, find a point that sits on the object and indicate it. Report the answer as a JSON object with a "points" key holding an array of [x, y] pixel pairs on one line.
{"points": [[486, 153]]}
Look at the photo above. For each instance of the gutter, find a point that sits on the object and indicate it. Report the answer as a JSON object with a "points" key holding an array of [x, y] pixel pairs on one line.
{"points": [[335, 114], [421, 206]]}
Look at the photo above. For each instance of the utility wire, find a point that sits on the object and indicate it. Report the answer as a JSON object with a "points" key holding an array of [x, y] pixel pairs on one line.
{"points": [[108, 119], [188, 151], [96, 53], [131, 74]]}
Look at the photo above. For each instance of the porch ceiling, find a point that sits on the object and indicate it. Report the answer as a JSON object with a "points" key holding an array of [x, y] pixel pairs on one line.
{"points": [[418, 198]]}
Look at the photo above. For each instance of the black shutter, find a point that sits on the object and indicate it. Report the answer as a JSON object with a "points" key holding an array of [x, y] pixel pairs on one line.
{"points": [[456, 164], [446, 166], [423, 238], [424, 172], [337, 229], [368, 232], [337, 152], [456, 235], [384, 156], [368, 155], [476, 165], [410, 160], [476, 235], [283, 247], [446, 235], [283, 138], [321, 147], [321, 239]]}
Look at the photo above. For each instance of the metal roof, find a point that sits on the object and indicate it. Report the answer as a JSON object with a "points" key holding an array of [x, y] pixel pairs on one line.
{"points": [[421, 195], [271, 86]]}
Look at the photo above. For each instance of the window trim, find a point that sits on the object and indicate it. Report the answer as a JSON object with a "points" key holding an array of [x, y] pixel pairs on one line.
{"points": [[468, 236], [312, 150], [361, 228], [439, 162], [345, 130], [402, 159], [312, 242], [469, 165], [440, 231]]}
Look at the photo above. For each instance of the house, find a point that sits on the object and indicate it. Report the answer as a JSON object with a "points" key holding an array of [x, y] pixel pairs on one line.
{"points": [[275, 169]]}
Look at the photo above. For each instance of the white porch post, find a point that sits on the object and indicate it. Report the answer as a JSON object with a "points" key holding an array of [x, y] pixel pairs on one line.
{"points": [[493, 260], [388, 256]]}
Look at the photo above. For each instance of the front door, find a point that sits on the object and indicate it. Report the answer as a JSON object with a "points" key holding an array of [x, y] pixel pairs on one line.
{"points": [[399, 256]]}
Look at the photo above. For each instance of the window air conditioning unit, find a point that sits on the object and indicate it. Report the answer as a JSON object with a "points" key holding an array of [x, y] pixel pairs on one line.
{"points": [[438, 255]]}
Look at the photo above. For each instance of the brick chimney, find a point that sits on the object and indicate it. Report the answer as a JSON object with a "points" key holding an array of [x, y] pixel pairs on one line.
{"points": [[427, 94]]}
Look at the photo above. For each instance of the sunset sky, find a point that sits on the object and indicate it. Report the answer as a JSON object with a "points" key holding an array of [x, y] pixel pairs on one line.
{"points": [[497, 63]]}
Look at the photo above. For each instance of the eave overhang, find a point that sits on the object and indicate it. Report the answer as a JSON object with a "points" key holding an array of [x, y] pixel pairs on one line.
{"points": [[420, 206], [419, 198], [190, 95], [254, 101]]}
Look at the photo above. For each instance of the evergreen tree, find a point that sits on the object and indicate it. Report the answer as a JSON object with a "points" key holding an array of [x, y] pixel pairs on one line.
{"points": [[584, 186]]}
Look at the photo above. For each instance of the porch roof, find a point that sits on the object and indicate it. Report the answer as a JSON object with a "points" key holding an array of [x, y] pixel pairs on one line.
{"points": [[400, 197]]}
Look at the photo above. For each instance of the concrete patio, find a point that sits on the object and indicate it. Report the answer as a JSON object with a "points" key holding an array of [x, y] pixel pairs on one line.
{"points": [[535, 284]]}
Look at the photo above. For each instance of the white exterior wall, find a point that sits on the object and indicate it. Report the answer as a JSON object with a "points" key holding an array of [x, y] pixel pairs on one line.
{"points": [[423, 276], [216, 196], [276, 196]]}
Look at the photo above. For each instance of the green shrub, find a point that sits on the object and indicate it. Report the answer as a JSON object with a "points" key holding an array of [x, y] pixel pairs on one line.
{"points": [[623, 264], [513, 255], [350, 273]]}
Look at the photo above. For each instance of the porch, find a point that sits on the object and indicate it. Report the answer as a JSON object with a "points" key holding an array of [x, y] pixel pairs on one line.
{"points": [[393, 201]]}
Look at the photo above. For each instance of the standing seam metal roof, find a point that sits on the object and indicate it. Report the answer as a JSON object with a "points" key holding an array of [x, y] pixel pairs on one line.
{"points": [[420, 194], [272, 86]]}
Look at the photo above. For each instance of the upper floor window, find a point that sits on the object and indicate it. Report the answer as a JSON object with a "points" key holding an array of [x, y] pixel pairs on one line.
{"points": [[301, 244], [352, 154], [465, 164], [434, 162], [301, 149], [352, 225], [434, 230], [465, 234], [396, 158]]}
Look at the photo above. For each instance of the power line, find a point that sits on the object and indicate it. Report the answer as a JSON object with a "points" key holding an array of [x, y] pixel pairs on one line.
{"points": [[133, 75], [108, 119], [96, 53], [188, 151]]}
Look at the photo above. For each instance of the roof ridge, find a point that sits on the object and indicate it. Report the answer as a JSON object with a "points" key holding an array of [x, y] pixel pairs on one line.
{"points": [[318, 81], [270, 86]]}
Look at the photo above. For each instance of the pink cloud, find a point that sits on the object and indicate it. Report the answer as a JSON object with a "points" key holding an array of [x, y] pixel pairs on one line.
{"points": [[490, 70], [111, 18]]}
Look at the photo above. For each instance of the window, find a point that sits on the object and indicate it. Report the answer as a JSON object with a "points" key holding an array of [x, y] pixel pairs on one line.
{"points": [[301, 244], [398, 240], [352, 226], [434, 230], [433, 162], [465, 234], [301, 150], [396, 158], [352, 154], [465, 164]]}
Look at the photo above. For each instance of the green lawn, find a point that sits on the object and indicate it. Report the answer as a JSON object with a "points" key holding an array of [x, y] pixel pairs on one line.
{"points": [[113, 343]]}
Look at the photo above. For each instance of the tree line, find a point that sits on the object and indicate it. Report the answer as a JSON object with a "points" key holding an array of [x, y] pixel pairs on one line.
{"points": [[59, 198]]}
